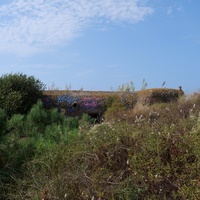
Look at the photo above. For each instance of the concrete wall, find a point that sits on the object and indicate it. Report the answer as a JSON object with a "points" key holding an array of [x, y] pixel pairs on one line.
{"points": [[75, 103]]}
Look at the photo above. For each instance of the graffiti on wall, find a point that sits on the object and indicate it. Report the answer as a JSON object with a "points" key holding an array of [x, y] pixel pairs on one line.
{"points": [[74, 105], [67, 99], [68, 102], [91, 103]]}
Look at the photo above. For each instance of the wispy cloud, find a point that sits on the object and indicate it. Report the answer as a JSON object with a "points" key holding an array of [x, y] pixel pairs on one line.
{"points": [[169, 11], [173, 9], [29, 26]]}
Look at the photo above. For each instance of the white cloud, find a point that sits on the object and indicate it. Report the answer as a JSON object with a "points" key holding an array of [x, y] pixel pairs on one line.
{"points": [[169, 11], [173, 9], [29, 26]]}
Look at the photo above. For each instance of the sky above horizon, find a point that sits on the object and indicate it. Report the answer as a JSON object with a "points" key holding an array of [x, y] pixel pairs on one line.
{"points": [[102, 44]]}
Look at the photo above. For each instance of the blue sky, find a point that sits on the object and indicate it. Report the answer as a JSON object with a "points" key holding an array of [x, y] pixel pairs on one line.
{"points": [[101, 44]]}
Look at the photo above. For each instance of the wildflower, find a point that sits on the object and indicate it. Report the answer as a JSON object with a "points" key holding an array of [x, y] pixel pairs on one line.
{"points": [[167, 109]]}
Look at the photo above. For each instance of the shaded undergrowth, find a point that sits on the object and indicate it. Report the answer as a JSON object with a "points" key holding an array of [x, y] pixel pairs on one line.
{"points": [[148, 152]]}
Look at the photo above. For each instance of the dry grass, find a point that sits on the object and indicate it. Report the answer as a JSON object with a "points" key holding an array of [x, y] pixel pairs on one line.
{"points": [[148, 152]]}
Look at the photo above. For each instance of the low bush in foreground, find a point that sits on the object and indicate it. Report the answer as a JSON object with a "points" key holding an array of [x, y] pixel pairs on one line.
{"points": [[149, 152], [117, 162], [26, 137]]}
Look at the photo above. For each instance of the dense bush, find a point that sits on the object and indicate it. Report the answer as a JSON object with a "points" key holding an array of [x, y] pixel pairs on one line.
{"points": [[117, 162], [25, 137], [2, 122], [18, 92], [114, 108], [148, 152]]}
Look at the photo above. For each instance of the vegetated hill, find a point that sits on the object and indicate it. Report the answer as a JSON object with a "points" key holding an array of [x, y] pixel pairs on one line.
{"points": [[160, 94], [75, 103], [148, 152]]}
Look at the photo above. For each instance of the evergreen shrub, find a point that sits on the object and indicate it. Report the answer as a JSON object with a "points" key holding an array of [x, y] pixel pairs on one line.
{"points": [[18, 92]]}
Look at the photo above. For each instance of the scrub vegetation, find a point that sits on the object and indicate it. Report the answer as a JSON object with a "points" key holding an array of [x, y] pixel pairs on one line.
{"points": [[148, 151]]}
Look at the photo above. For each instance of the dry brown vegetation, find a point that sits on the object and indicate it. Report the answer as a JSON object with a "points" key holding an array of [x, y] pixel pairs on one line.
{"points": [[147, 152]]}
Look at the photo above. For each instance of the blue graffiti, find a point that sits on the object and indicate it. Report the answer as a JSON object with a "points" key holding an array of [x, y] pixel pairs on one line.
{"points": [[68, 102], [74, 105], [67, 98], [71, 109]]}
